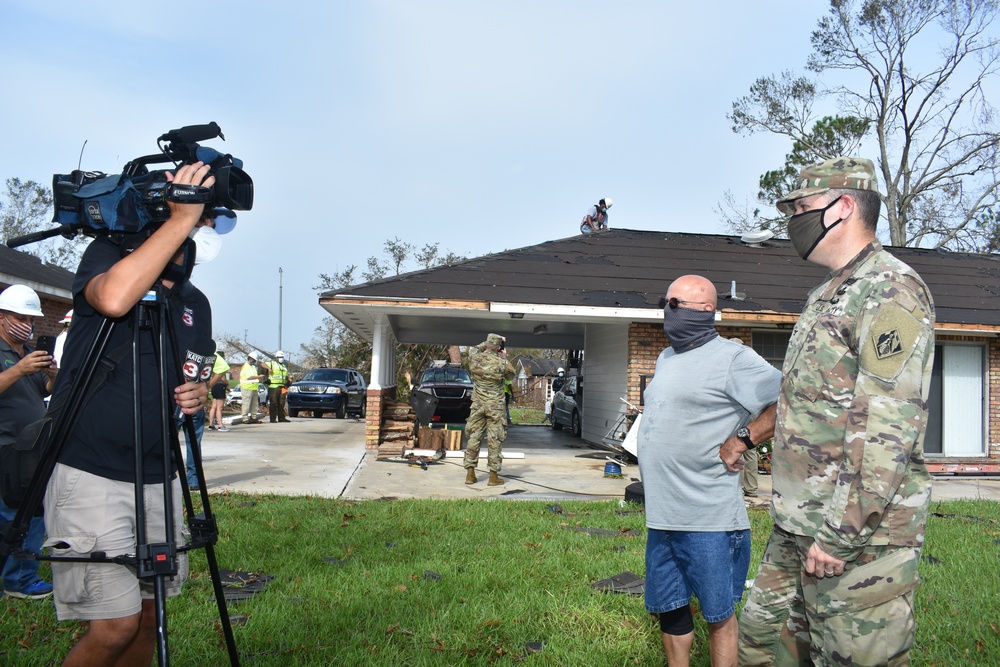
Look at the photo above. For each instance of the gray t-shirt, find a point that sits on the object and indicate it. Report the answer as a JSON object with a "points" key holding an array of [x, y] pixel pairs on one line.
{"points": [[696, 400]]}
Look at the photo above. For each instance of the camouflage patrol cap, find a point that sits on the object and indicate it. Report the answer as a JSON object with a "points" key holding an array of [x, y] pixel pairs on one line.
{"points": [[855, 173], [494, 339]]}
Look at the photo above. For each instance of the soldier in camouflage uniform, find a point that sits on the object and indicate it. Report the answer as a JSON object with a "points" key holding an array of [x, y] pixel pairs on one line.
{"points": [[851, 491], [489, 368]]}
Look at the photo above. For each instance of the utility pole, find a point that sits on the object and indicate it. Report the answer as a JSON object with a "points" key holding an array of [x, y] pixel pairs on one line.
{"points": [[280, 288]]}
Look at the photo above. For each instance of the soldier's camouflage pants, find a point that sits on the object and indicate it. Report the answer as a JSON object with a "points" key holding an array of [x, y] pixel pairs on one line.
{"points": [[490, 418], [863, 617]]}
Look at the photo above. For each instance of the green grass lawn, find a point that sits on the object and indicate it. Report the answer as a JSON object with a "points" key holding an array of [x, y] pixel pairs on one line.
{"points": [[427, 582], [525, 415]]}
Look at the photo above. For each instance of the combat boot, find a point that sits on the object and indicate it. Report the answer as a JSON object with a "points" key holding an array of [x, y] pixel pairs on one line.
{"points": [[470, 475], [495, 479]]}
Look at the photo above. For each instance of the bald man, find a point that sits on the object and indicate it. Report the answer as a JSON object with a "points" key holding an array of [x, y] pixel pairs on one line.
{"points": [[697, 422]]}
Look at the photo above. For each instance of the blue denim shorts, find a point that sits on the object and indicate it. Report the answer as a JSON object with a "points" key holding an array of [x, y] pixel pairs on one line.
{"points": [[711, 566]]}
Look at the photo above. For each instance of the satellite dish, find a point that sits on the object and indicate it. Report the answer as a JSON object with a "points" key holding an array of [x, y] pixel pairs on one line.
{"points": [[758, 237]]}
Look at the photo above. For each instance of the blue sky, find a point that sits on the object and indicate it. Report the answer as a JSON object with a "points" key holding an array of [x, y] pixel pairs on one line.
{"points": [[479, 126]]}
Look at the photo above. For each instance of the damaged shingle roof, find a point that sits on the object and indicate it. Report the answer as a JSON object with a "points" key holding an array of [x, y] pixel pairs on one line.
{"points": [[631, 269], [21, 267]]}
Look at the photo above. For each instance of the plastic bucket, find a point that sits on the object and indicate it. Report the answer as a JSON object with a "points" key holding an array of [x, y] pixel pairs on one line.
{"points": [[612, 469]]}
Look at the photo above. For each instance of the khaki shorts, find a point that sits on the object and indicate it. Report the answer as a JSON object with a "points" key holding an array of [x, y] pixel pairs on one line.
{"points": [[85, 513]]}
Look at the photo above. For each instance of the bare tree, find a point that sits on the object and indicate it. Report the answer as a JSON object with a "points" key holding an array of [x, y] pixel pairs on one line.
{"points": [[333, 344], [26, 206], [938, 148]]}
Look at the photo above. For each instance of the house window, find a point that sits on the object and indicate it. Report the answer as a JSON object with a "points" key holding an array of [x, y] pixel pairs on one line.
{"points": [[771, 345], [956, 418]]}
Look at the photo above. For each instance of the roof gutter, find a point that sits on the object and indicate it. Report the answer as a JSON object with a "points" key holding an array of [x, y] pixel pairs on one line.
{"points": [[577, 312]]}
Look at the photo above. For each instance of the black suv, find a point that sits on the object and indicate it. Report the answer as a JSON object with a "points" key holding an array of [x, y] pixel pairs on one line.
{"points": [[452, 386], [342, 391]]}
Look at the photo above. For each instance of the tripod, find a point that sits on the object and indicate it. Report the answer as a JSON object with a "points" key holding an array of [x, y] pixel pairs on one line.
{"points": [[153, 561]]}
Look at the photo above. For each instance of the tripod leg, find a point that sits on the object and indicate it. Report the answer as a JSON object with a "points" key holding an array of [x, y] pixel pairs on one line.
{"points": [[204, 533]]}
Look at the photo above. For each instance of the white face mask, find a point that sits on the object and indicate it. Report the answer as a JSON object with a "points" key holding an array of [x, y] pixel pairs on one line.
{"points": [[208, 243]]}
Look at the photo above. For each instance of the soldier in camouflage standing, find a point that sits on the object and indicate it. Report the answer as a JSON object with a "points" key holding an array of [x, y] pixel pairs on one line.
{"points": [[490, 369], [851, 490]]}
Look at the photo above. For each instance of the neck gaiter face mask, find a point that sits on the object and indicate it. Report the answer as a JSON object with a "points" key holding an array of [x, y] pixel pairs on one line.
{"points": [[687, 329]]}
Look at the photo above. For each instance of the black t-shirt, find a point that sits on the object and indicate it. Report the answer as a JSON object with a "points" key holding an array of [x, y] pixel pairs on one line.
{"points": [[102, 441]]}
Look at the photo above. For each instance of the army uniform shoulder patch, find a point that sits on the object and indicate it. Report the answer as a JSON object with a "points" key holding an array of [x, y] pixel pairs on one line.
{"points": [[887, 344], [890, 342]]}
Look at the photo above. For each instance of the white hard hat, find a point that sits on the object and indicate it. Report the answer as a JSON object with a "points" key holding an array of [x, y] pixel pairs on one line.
{"points": [[22, 300], [560, 371], [606, 202], [279, 354], [67, 318], [252, 355]]}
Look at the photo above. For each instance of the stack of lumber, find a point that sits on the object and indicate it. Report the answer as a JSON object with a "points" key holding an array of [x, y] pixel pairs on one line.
{"points": [[438, 438], [398, 430]]}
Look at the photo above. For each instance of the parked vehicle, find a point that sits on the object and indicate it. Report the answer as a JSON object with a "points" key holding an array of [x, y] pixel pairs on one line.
{"points": [[452, 386], [342, 391], [234, 397], [567, 406]]}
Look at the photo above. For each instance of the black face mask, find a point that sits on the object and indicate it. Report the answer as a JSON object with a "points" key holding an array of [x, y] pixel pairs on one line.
{"points": [[806, 230], [687, 329]]}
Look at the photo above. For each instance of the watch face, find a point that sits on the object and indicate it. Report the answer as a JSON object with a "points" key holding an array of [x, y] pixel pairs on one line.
{"points": [[743, 433]]}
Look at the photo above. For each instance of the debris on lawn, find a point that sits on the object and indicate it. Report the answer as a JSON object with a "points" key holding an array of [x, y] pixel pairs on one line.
{"points": [[430, 574], [626, 582], [335, 561], [241, 586], [534, 647], [604, 532]]}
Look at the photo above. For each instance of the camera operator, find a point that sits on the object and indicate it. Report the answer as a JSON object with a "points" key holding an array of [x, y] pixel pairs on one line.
{"points": [[26, 377], [90, 498]]}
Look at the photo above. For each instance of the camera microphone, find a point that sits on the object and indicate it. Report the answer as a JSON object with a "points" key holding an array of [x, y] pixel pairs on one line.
{"points": [[191, 134], [198, 362]]}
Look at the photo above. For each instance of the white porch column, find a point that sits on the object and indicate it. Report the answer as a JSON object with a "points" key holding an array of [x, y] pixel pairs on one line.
{"points": [[383, 355]]}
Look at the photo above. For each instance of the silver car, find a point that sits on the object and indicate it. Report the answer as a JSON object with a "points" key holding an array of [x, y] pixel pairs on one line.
{"points": [[567, 406]]}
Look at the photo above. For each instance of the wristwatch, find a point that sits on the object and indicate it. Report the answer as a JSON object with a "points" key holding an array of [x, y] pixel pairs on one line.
{"points": [[744, 435]]}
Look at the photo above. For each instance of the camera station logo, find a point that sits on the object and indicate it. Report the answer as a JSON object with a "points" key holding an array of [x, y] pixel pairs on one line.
{"points": [[192, 369], [94, 211], [188, 317]]}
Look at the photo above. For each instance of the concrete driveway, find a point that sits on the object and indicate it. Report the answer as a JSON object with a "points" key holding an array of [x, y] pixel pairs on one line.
{"points": [[326, 457], [314, 457]]}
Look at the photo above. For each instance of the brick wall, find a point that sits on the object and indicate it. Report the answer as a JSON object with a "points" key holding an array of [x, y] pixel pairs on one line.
{"points": [[54, 311], [373, 420], [646, 341]]}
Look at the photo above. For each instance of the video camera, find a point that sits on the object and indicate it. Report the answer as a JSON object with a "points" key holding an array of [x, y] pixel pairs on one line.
{"points": [[93, 202]]}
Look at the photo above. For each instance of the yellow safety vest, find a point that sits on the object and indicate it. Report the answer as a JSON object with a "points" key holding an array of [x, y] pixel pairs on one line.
{"points": [[248, 377], [278, 373]]}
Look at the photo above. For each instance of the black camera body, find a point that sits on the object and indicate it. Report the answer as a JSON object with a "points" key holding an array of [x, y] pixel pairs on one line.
{"points": [[94, 202]]}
